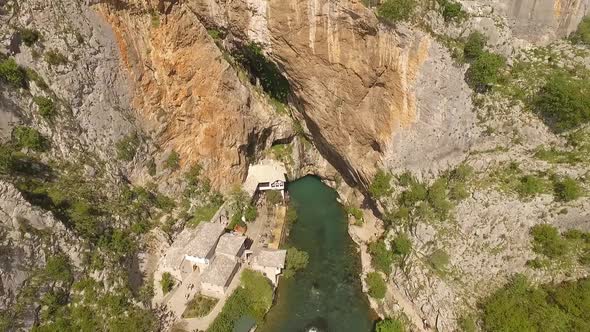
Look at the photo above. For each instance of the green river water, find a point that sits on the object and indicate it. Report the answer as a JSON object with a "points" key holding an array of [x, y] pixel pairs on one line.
{"points": [[327, 294]]}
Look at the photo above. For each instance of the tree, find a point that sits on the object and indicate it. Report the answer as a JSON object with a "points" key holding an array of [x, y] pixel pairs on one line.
{"points": [[381, 258], [451, 10], [46, 106], [567, 189], [474, 45], [396, 10], [485, 71], [390, 325], [401, 245], [251, 213], [273, 197], [167, 282], [29, 36], [564, 102], [381, 185], [296, 260], [548, 241], [376, 284], [173, 161], [12, 73]]}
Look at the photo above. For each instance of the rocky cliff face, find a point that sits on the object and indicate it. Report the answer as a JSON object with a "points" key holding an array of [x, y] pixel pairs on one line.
{"points": [[187, 95], [355, 80]]}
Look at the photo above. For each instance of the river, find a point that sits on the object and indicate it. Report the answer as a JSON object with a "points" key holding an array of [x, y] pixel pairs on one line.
{"points": [[327, 293]]}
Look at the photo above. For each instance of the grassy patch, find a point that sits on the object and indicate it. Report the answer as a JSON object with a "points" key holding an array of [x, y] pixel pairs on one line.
{"points": [[199, 306]]}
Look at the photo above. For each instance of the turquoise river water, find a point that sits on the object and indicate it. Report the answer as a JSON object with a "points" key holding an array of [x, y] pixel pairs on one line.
{"points": [[327, 294]]}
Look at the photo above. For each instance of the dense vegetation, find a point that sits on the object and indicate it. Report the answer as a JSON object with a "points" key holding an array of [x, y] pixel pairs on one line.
{"points": [[396, 10], [390, 325], [29, 36], [582, 35], [12, 73], [253, 298], [30, 138], [46, 106], [564, 101], [376, 284], [296, 260], [520, 306], [550, 244], [167, 282], [451, 10]]}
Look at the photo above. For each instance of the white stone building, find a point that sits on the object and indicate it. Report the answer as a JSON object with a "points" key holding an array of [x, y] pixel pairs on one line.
{"points": [[270, 262]]}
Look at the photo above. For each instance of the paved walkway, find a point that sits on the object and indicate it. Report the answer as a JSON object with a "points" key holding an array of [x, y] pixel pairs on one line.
{"points": [[183, 293]]}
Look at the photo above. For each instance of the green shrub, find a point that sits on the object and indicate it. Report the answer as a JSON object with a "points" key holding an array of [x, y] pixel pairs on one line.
{"points": [[485, 71], [199, 306], [438, 260], [55, 58], [564, 101], [437, 197], [548, 241], [519, 306], [531, 185], [381, 185], [46, 106], [167, 282], [474, 45], [396, 10], [582, 35], [451, 10], [127, 147], [296, 260], [29, 36], [12, 73], [376, 284], [381, 258], [390, 325], [251, 213], [173, 161], [401, 245], [30, 138], [567, 189]]}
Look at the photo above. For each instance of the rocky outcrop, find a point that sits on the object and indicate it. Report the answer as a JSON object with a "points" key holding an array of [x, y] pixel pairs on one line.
{"points": [[534, 21]]}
